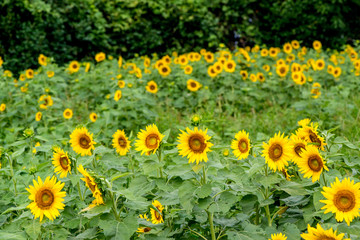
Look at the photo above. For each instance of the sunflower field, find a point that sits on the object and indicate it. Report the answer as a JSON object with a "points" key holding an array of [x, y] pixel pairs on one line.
{"points": [[252, 144]]}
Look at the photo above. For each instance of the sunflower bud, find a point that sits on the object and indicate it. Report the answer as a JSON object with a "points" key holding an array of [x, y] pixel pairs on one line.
{"points": [[195, 120], [29, 132], [226, 152]]}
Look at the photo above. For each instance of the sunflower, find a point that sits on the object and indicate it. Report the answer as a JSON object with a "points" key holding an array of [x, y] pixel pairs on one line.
{"points": [[241, 145], [343, 199], [61, 162], [87, 67], [253, 77], [320, 64], [244, 74], [68, 113], [212, 71], [260, 76], [188, 69], [120, 142], [297, 146], [99, 57], [147, 62], [193, 85], [209, 57], [166, 59], [164, 70], [229, 66], [311, 135], [266, 67], [143, 229], [82, 141], [319, 233], [337, 72], [152, 87], [295, 44], [156, 216], [2, 107], [29, 73], [47, 198], [93, 117], [121, 84], [120, 61], [287, 48], [183, 60], [304, 122], [42, 60], [74, 66], [22, 77], [264, 52], [38, 116], [273, 52], [148, 140], [117, 95], [50, 74], [218, 67], [92, 185], [277, 152], [317, 45], [47, 101], [194, 144], [311, 163], [279, 236], [282, 70]]}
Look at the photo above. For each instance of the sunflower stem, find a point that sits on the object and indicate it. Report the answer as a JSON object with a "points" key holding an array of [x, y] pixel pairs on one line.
{"points": [[159, 157], [211, 222], [324, 179], [267, 211], [12, 172], [114, 208], [204, 176], [257, 210]]}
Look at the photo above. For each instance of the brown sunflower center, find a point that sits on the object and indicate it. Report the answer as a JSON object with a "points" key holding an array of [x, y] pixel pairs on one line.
{"points": [[157, 216], [84, 141], [314, 138], [344, 200], [298, 148], [64, 162], [230, 65], [122, 142], [164, 69], [212, 71], [315, 163], [147, 229], [67, 113], [152, 140], [275, 152], [46, 101], [282, 70], [152, 87], [243, 146], [197, 143], [74, 66], [89, 183], [193, 84], [324, 237], [44, 198]]}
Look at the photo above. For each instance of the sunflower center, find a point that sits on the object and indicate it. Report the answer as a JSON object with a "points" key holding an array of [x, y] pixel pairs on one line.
{"points": [[122, 142], [152, 87], [314, 138], [193, 84], [229, 65], [275, 152], [151, 141], [46, 101], [64, 162], [344, 200], [243, 146], [282, 70], [84, 142], [197, 143], [315, 163], [67, 113], [324, 237], [298, 148], [74, 66], [164, 70], [44, 198], [147, 229]]}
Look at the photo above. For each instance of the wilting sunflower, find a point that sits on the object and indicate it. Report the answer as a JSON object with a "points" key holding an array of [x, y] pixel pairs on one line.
{"points": [[311, 163], [82, 141], [156, 216], [164, 70], [229, 66], [68, 113], [319, 233], [29, 73], [93, 117], [148, 140], [47, 198], [193, 85], [311, 135], [117, 95], [194, 144], [343, 199], [38, 116], [74, 66], [188, 69], [42, 60], [99, 57], [277, 152], [297, 146], [46, 101], [143, 229], [61, 162], [92, 185], [2, 107], [241, 145], [279, 236], [151, 87], [120, 142]]}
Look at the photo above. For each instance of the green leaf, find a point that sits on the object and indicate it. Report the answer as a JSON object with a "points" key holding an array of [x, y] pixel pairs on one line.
{"points": [[33, 229], [12, 236], [203, 191], [87, 234], [21, 207], [186, 195]]}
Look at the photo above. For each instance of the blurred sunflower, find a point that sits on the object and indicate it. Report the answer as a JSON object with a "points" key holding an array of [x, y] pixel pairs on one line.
{"points": [[188, 69], [151, 87], [311, 163], [287, 48], [241, 145], [50, 74], [121, 84], [164, 70], [120, 142], [317, 45], [282, 70], [211, 71], [209, 57], [42, 60], [99, 57], [117, 95], [82, 141], [260, 76], [148, 140], [47, 198], [193, 85], [29, 73], [46, 101], [87, 67], [244, 74], [143, 229], [22, 77], [68, 113], [61, 162], [320, 64], [279, 236], [2, 107], [74, 66], [343, 199], [253, 77], [264, 52], [319, 233], [183, 60], [277, 152], [337, 72], [38, 116], [120, 61], [93, 117], [229, 66], [218, 67], [92, 185], [156, 216], [194, 144], [273, 52], [295, 44]]}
